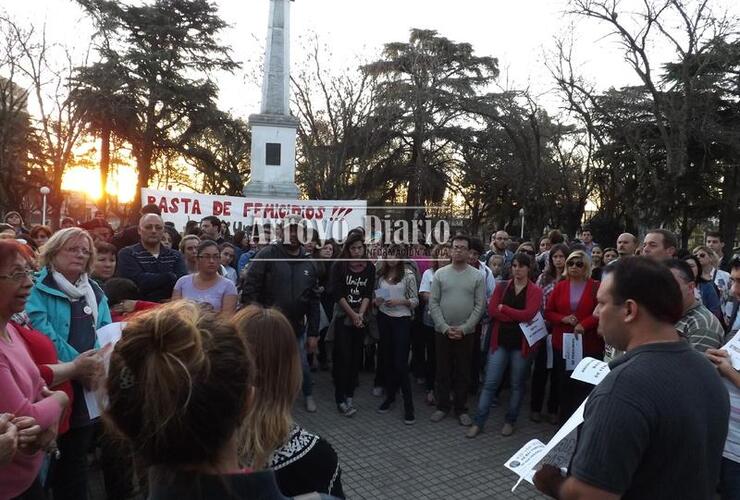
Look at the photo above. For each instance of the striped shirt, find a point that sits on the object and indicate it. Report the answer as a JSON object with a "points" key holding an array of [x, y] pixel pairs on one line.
{"points": [[732, 445], [701, 328]]}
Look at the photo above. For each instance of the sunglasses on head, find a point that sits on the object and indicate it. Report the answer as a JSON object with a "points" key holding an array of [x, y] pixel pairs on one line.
{"points": [[577, 263]]}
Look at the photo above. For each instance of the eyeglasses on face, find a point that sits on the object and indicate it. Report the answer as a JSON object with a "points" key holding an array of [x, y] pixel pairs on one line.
{"points": [[78, 250], [19, 276], [577, 263], [701, 255]]}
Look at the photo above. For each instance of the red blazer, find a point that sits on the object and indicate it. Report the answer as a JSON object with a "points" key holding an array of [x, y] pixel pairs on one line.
{"points": [[558, 307], [43, 353], [509, 314]]}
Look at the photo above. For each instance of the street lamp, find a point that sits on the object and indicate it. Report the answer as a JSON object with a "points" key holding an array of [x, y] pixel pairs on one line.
{"points": [[521, 214], [44, 192]]}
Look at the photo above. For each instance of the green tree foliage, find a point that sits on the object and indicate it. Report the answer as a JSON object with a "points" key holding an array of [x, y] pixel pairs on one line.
{"points": [[165, 52], [423, 85]]}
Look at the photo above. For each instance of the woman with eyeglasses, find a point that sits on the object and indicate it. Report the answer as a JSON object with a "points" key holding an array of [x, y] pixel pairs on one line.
{"points": [[512, 303], [68, 307], [206, 286], [570, 309], [711, 272], [29, 413]]}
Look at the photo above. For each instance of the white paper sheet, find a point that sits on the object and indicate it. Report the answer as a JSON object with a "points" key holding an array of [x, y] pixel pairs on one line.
{"points": [[107, 338], [733, 349], [535, 329], [572, 350], [557, 452], [590, 370]]}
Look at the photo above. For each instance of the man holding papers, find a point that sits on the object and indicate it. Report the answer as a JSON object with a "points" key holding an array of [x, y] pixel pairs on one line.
{"points": [[656, 425]]}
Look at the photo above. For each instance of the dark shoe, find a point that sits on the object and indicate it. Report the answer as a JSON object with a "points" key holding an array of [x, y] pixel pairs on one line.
{"points": [[346, 409], [385, 406], [409, 418]]}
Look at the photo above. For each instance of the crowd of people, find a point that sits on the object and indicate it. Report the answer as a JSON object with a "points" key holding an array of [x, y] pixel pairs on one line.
{"points": [[223, 332]]}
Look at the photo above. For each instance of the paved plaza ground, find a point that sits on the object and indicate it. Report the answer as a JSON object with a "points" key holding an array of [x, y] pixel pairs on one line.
{"points": [[383, 458]]}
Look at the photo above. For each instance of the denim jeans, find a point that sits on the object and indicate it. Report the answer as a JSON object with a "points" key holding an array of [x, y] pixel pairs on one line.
{"points": [[729, 479], [496, 365], [307, 380]]}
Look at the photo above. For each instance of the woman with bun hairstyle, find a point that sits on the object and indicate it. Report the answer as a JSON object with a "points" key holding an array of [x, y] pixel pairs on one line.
{"points": [[179, 387], [302, 462]]}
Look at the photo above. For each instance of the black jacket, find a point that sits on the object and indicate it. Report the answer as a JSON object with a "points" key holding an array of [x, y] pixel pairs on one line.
{"points": [[277, 279]]}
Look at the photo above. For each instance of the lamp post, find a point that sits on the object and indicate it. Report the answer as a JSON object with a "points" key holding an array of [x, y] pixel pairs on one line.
{"points": [[521, 214], [44, 192]]}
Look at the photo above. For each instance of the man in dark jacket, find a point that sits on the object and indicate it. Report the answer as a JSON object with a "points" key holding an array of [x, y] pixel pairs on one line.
{"points": [[283, 276], [152, 266]]}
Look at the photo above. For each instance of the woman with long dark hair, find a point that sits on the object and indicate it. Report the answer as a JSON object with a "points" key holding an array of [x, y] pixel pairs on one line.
{"points": [[396, 298], [553, 273], [512, 303], [352, 282]]}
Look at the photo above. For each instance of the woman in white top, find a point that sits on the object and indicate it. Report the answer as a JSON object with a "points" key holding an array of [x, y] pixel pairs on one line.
{"points": [[206, 286], [395, 296]]}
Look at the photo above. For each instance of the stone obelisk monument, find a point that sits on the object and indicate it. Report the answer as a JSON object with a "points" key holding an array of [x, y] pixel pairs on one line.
{"points": [[274, 129]]}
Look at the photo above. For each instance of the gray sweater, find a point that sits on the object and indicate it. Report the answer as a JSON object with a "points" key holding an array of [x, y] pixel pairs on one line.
{"points": [[458, 299]]}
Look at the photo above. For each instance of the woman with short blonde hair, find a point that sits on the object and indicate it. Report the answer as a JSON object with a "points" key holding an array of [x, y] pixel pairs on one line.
{"points": [[68, 306], [303, 462], [59, 240]]}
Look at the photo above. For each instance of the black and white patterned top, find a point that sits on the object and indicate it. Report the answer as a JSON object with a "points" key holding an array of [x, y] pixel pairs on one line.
{"points": [[307, 463]]}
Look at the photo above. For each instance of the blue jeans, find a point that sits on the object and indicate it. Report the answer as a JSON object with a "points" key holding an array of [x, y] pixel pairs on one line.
{"points": [[729, 479], [307, 380], [496, 365]]}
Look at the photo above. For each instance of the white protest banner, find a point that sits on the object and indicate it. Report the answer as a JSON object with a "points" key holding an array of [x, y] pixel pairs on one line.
{"points": [[572, 350], [534, 330], [733, 349], [107, 338], [331, 218], [550, 355], [590, 370], [557, 453]]}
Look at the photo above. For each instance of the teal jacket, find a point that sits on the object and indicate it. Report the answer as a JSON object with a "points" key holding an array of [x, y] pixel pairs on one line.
{"points": [[49, 311]]}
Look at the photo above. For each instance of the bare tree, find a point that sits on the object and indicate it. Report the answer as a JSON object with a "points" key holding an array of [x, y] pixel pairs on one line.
{"points": [[46, 69]]}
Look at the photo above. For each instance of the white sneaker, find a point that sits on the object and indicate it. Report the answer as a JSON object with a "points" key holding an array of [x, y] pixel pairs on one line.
{"points": [[310, 404]]}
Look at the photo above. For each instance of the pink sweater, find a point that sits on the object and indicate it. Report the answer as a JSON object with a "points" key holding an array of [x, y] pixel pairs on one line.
{"points": [[20, 395]]}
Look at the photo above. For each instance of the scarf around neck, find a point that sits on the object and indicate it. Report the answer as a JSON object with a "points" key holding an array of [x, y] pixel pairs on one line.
{"points": [[78, 290]]}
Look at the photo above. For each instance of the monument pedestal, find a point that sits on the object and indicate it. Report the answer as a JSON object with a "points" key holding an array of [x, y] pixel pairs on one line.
{"points": [[273, 157]]}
